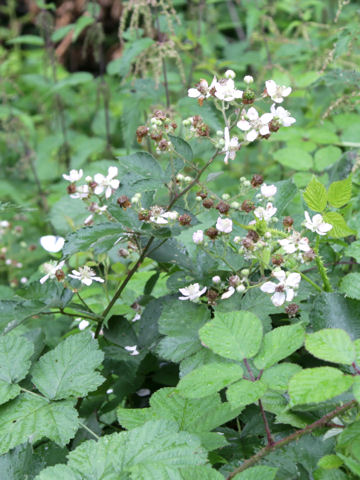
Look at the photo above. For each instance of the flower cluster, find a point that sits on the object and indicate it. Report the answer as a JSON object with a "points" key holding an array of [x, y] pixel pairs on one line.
{"points": [[277, 251], [250, 122], [158, 129], [85, 274]]}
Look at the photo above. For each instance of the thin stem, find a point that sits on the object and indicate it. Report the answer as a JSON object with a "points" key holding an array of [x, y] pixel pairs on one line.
{"points": [[322, 422], [307, 279], [263, 414], [89, 430], [83, 302], [357, 370], [34, 394]]}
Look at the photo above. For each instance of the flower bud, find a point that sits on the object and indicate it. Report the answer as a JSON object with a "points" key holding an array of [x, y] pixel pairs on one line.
{"points": [[216, 279], [240, 288], [234, 280], [248, 97], [235, 205], [124, 253], [225, 196], [248, 79], [277, 259], [245, 272], [201, 194], [180, 177], [246, 183], [247, 206], [230, 74]]}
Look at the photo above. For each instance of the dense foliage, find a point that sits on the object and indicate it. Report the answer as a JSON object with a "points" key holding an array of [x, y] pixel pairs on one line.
{"points": [[179, 262]]}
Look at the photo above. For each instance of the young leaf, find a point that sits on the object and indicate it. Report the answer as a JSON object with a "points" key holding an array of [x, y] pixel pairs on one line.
{"points": [[245, 392], [340, 228], [33, 417], [257, 473], [278, 344], [15, 354], [315, 195], [209, 379], [235, 335], [69, 369], [350, 285], [331, 344], [340, 192], [315, 385]]}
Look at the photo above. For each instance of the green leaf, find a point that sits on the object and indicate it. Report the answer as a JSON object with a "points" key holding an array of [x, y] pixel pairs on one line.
{"points": [[15, 355], [20, 463], [294, 158], [326, 156], [69, 369], [182, 148], [257, 473], [333, 310], [278, 344], [60, 472], [353, 250], [87, 238], [235, 335], [315, 195], [340, 228], [329, 462], [277, 377], [140, 172], [315, 385], [191, 415], [331, 344], [27, 40], [245, 392], [209, 379], [340, 192], [121, 66], [356, 389], [350, 285], [352, 464], [34, 417], [156, 450]]}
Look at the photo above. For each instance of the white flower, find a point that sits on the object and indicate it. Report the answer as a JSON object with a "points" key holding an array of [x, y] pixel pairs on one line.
{"points": [[52, 243], [94, 207], [216, 279], [133, 349], [226, 91], [265, 213], [282, 115], [73, 176], [4, 224], [86, 275], [295, 242], [276, 92], [82, 191], [317, 224], [50, 269], [231, 146], [285, 289], [23, 280], [83, 324], [254, 125], [268, 190], [192, 292], [202, 90], [107, 184], [198, 237], [248, 79], [159, 216], [228, 293], [230, 74], [224, 225]]}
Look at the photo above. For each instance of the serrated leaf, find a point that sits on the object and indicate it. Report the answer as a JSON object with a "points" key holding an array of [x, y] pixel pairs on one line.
{"points": [[257, 473], [191, 415], [356, 389], [331, 344], [329, 462], [29, 417], [245, 392], [182, 148], [278, 344], [353, 250], [235, 335], [156, 450], [277, 377], [59, 472], [69, 369], [315, 385], [141, 171], [86, 238], [339, 193], [350, 285], [340, 228], [15, 354], [294, 158], [315, 195], [326, 156], [208, 379]]}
